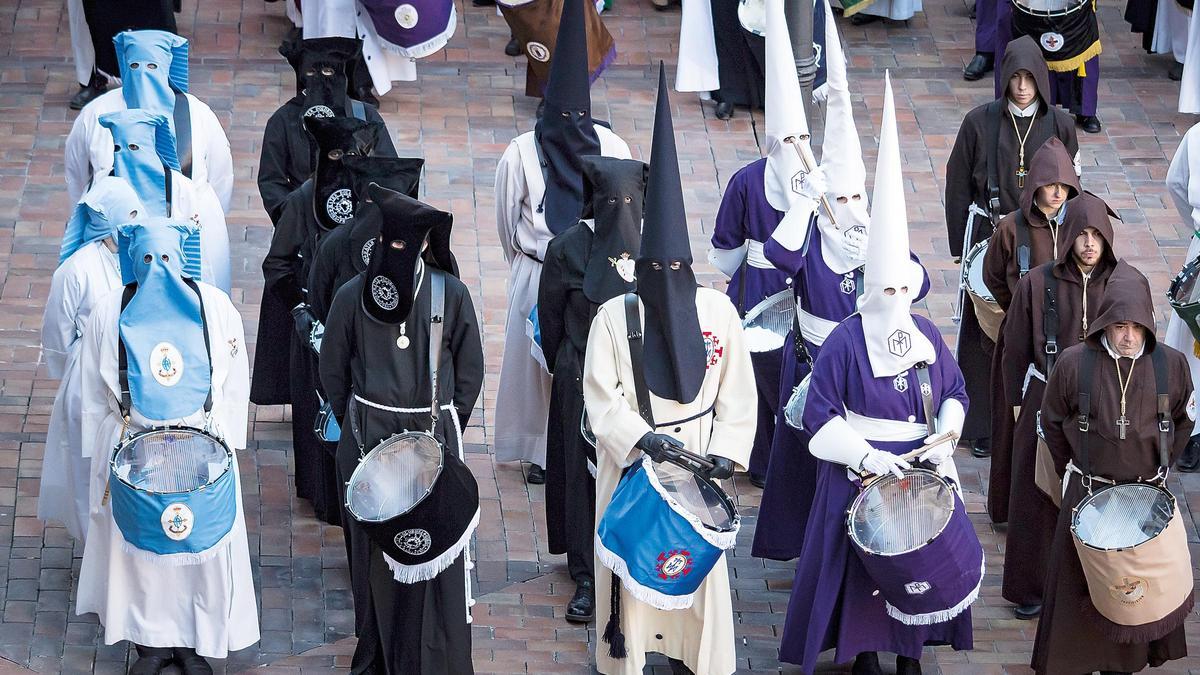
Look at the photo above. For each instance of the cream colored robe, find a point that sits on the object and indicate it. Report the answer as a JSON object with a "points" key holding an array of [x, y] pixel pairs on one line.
{"points": [[701, 636]]}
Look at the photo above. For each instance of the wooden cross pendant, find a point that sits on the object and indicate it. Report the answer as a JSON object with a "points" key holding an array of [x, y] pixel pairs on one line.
{"points": [[1021, 174], [1122, 423]]}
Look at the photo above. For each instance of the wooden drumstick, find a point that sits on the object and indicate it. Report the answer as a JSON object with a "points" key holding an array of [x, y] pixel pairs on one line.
{"points": [[809, 162]]}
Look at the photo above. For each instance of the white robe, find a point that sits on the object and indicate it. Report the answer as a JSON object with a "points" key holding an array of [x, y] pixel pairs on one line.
{"points": [[1186, 195], [1171, 30], [210, 606], [1189, 87], [81, 42], [85, 277], [896, 10], [701, 636], [697, 69], [342, 18], [523, 399]]}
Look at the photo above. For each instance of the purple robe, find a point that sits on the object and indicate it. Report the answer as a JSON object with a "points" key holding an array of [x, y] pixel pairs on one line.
{"points": [[985, 25], [1078, 95], [746, 215], [833, 603]]}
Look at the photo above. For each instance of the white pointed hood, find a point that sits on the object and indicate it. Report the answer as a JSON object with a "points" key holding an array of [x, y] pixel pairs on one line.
{"points": [[785, 111], [894, 344]]}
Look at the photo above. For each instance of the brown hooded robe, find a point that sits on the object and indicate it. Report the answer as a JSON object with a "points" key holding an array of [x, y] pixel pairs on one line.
{"points": [[1031, 514], [1071, 636], [1001, 272], [988, 130]]}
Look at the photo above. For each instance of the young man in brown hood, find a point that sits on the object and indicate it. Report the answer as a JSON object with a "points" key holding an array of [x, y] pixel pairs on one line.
{"points": [[985, 174]]}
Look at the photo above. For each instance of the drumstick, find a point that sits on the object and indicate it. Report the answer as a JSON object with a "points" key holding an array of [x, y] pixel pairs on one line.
{"points": [[809, 162]]}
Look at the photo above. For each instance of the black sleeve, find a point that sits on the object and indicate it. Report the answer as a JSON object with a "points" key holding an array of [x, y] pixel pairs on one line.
{"points": [[552, 305], [384, 148], [274, 185], [1018, 338], [337, 350], [960, 194], [1058, 406], [1181, 399], [281, 267], [466, 346], [323, 274]]}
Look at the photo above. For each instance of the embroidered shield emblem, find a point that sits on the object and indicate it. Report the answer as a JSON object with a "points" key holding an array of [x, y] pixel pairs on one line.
{"points": [[406, 16], [899, 342], [917, 587], [414, 542], [712, 346], [319, 111], [339, 206], [1052, 41], [384, 293], [538, 52], [178, 521], [848, 284], [166, 364], [624, 266]]}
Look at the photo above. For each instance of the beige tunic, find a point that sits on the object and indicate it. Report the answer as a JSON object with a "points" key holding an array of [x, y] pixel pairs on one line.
{"points": [[701, 636]]}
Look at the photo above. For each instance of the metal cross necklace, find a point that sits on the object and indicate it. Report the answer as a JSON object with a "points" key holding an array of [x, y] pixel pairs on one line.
{"points": [[1123, 421], [1021, 171]]}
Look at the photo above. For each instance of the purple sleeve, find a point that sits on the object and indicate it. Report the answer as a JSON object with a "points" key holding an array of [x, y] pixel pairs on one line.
{"points": [[790, 262], [925, 283], [729, 232], [827, 387]]}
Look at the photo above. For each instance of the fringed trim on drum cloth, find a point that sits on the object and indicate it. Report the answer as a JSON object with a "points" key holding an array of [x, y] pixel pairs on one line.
{"points": [[938, 617], [721, 540], [178, 559], [641, 593], [1076, 63], [415, 574], [1147, 632], [427, 47]]}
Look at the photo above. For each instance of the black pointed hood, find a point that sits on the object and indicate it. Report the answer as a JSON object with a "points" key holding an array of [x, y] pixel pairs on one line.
{"points": [[322, 68], [666, 283], [565, 132], [401, 174], [391, 278], [614, 191], [333, 139]]}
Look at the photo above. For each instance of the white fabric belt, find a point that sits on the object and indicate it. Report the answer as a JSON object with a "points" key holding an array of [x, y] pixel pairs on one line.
{"points": [[1031, 373], [755, 257], [814, 328], [388, 408], [875, 429]]}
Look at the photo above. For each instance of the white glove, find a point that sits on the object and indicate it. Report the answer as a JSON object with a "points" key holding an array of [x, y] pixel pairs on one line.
{"points": [[936, 454], [811, 184], [854, 244], [881, 462]]}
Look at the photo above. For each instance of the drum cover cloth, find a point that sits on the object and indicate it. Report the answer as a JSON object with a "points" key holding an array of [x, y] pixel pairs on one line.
{"points": [[412, 28], [535, 25], [987, 310], [1044, 475], [1068, 41]]}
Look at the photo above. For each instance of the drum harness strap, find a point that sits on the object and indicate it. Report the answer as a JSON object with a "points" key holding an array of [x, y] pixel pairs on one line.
{"points": [[1050, 321], [926, 387], [1023, 247], [182, 116]]}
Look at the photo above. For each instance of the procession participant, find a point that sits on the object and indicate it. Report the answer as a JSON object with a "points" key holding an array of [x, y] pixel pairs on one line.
{"points": [[154, 77], [1050, 311], [1189, 86], [91, 81], [984, 60], [87, 271], [870, 11], [375, 66], [539, 194], [701, 376], [185, 348], [865, 379], [107, 18], [741, 61], [1171, 33], [375, 366], [536, 26], [984, 177], [1127, 370], [1187, 202], [586, 265], [754, 202]]}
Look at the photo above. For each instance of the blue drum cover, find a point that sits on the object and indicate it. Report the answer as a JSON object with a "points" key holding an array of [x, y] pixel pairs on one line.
{"points": [[180, 522]]}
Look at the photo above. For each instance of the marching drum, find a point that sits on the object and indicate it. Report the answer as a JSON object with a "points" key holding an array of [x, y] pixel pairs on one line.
{"points": [[916, 542], [173, 490], [1184, 295], [987, 310], [1066, 30], [768, 323], [793, 411], [752, 14]]}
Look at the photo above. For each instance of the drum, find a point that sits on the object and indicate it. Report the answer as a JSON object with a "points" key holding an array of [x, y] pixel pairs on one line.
{"points": [[173, 492], [326, 426], [1184, 295], [415, 501], [768, 323], [535, 25], [987, 310], [533, 331], [1066, 30], [316, 335], [916, 542], [1044, 475], [412, 28], [664, 530], [1133, 548], [793, 411], [752, 14]]}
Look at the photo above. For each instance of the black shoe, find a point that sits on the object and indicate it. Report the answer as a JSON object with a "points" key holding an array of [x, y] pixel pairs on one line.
{"points": [[724, 110], [861, 19], [1175, 72], [979, 66], [759, 482], [536, 475], [981, 448], [1027, 612], [866, 663], [191, 663], [907, 666], [152, 660], [1090, 123], [513, 48], [1190, 461], [96, 86], [483, 3], [582, 606]]}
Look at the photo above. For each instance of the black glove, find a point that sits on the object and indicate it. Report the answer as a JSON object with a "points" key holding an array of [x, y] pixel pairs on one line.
{"points": [[722, 468], [655, 445], [304, 319]]}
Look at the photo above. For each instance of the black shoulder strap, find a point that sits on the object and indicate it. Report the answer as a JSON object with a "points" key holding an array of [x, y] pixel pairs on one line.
{"points": [[1050, 323], [1085, 405], [1165, 425], [183, 133], [1023, 246], [537, 146], [437, 309], [168, 185], [926, 387], [358, 110], [126, 403], [633, 324], [993, 157]]}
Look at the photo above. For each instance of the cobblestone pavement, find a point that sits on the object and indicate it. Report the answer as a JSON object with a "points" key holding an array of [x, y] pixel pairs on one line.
{"points": [[459, 115]]}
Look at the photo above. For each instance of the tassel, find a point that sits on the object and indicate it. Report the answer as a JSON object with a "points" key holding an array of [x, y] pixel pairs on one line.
{"points": [[612, 632], [1082, 72]]}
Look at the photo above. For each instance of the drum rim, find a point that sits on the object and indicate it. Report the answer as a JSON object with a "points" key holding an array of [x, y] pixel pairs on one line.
{"points": [[1089, 497], [862, 494], [1192, 267], [1049, 14], [112, 468], [768, 302], [652, 477], [396, 437], [965, 275], [742, 23]]}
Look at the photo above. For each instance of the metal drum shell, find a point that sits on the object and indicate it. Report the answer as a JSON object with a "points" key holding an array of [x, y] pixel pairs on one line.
{"points": [[1188, 311], [157, 430], [987, 310]]}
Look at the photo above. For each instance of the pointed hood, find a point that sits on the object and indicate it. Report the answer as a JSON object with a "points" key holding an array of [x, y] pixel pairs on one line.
{"points": [[109, 203], [322, 72], [1050, 164], [785, 113], [894, 343], [614, 190], [565, 132], [1127, 297], [335, 138], [143, 154], [154, 67], [397, 268], [666, 283]]}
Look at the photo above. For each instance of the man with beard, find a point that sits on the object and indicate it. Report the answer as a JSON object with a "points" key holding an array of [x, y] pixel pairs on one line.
{"points": [[586, 265], [984, 178], [539, 194], [1050, 311], [1186, 195], [1138, 417], [387, 329], [699, 375]]}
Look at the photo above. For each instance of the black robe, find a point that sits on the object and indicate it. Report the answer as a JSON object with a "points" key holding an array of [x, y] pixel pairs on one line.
{"points": [[106, 18], [285, 269], [403, 629], [339, 258], [740, 58]]}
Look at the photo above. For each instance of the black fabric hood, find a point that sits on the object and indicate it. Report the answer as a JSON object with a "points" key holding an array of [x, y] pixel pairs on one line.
{"points": [[322, 68], [1024, 53], [335, 138], [614, 192], [390, 279]]}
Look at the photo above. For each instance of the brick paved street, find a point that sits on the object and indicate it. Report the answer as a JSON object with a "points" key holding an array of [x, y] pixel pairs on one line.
{"points": [[459, 115]]}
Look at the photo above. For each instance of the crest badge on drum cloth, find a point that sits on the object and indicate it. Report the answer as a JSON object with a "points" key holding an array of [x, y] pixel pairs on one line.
{"points": [[166, 364], [177, 521], [414, 541]]}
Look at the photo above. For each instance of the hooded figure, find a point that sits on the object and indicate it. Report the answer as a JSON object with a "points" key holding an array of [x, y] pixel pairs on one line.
{"points": [[87, 272], [321, 66], [698, 397], [865, 407], [375, 369], [1185, 193], [539, 193], [537, 26], [1072, 635], [585, 266], [186, 356], [105, 20], [1078, 289], [999, 136]]}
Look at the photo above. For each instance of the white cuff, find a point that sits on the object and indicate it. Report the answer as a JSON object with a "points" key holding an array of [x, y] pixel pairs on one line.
{"points": [[728, 261], [838, 442], [950, 417], [792, 231]]}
